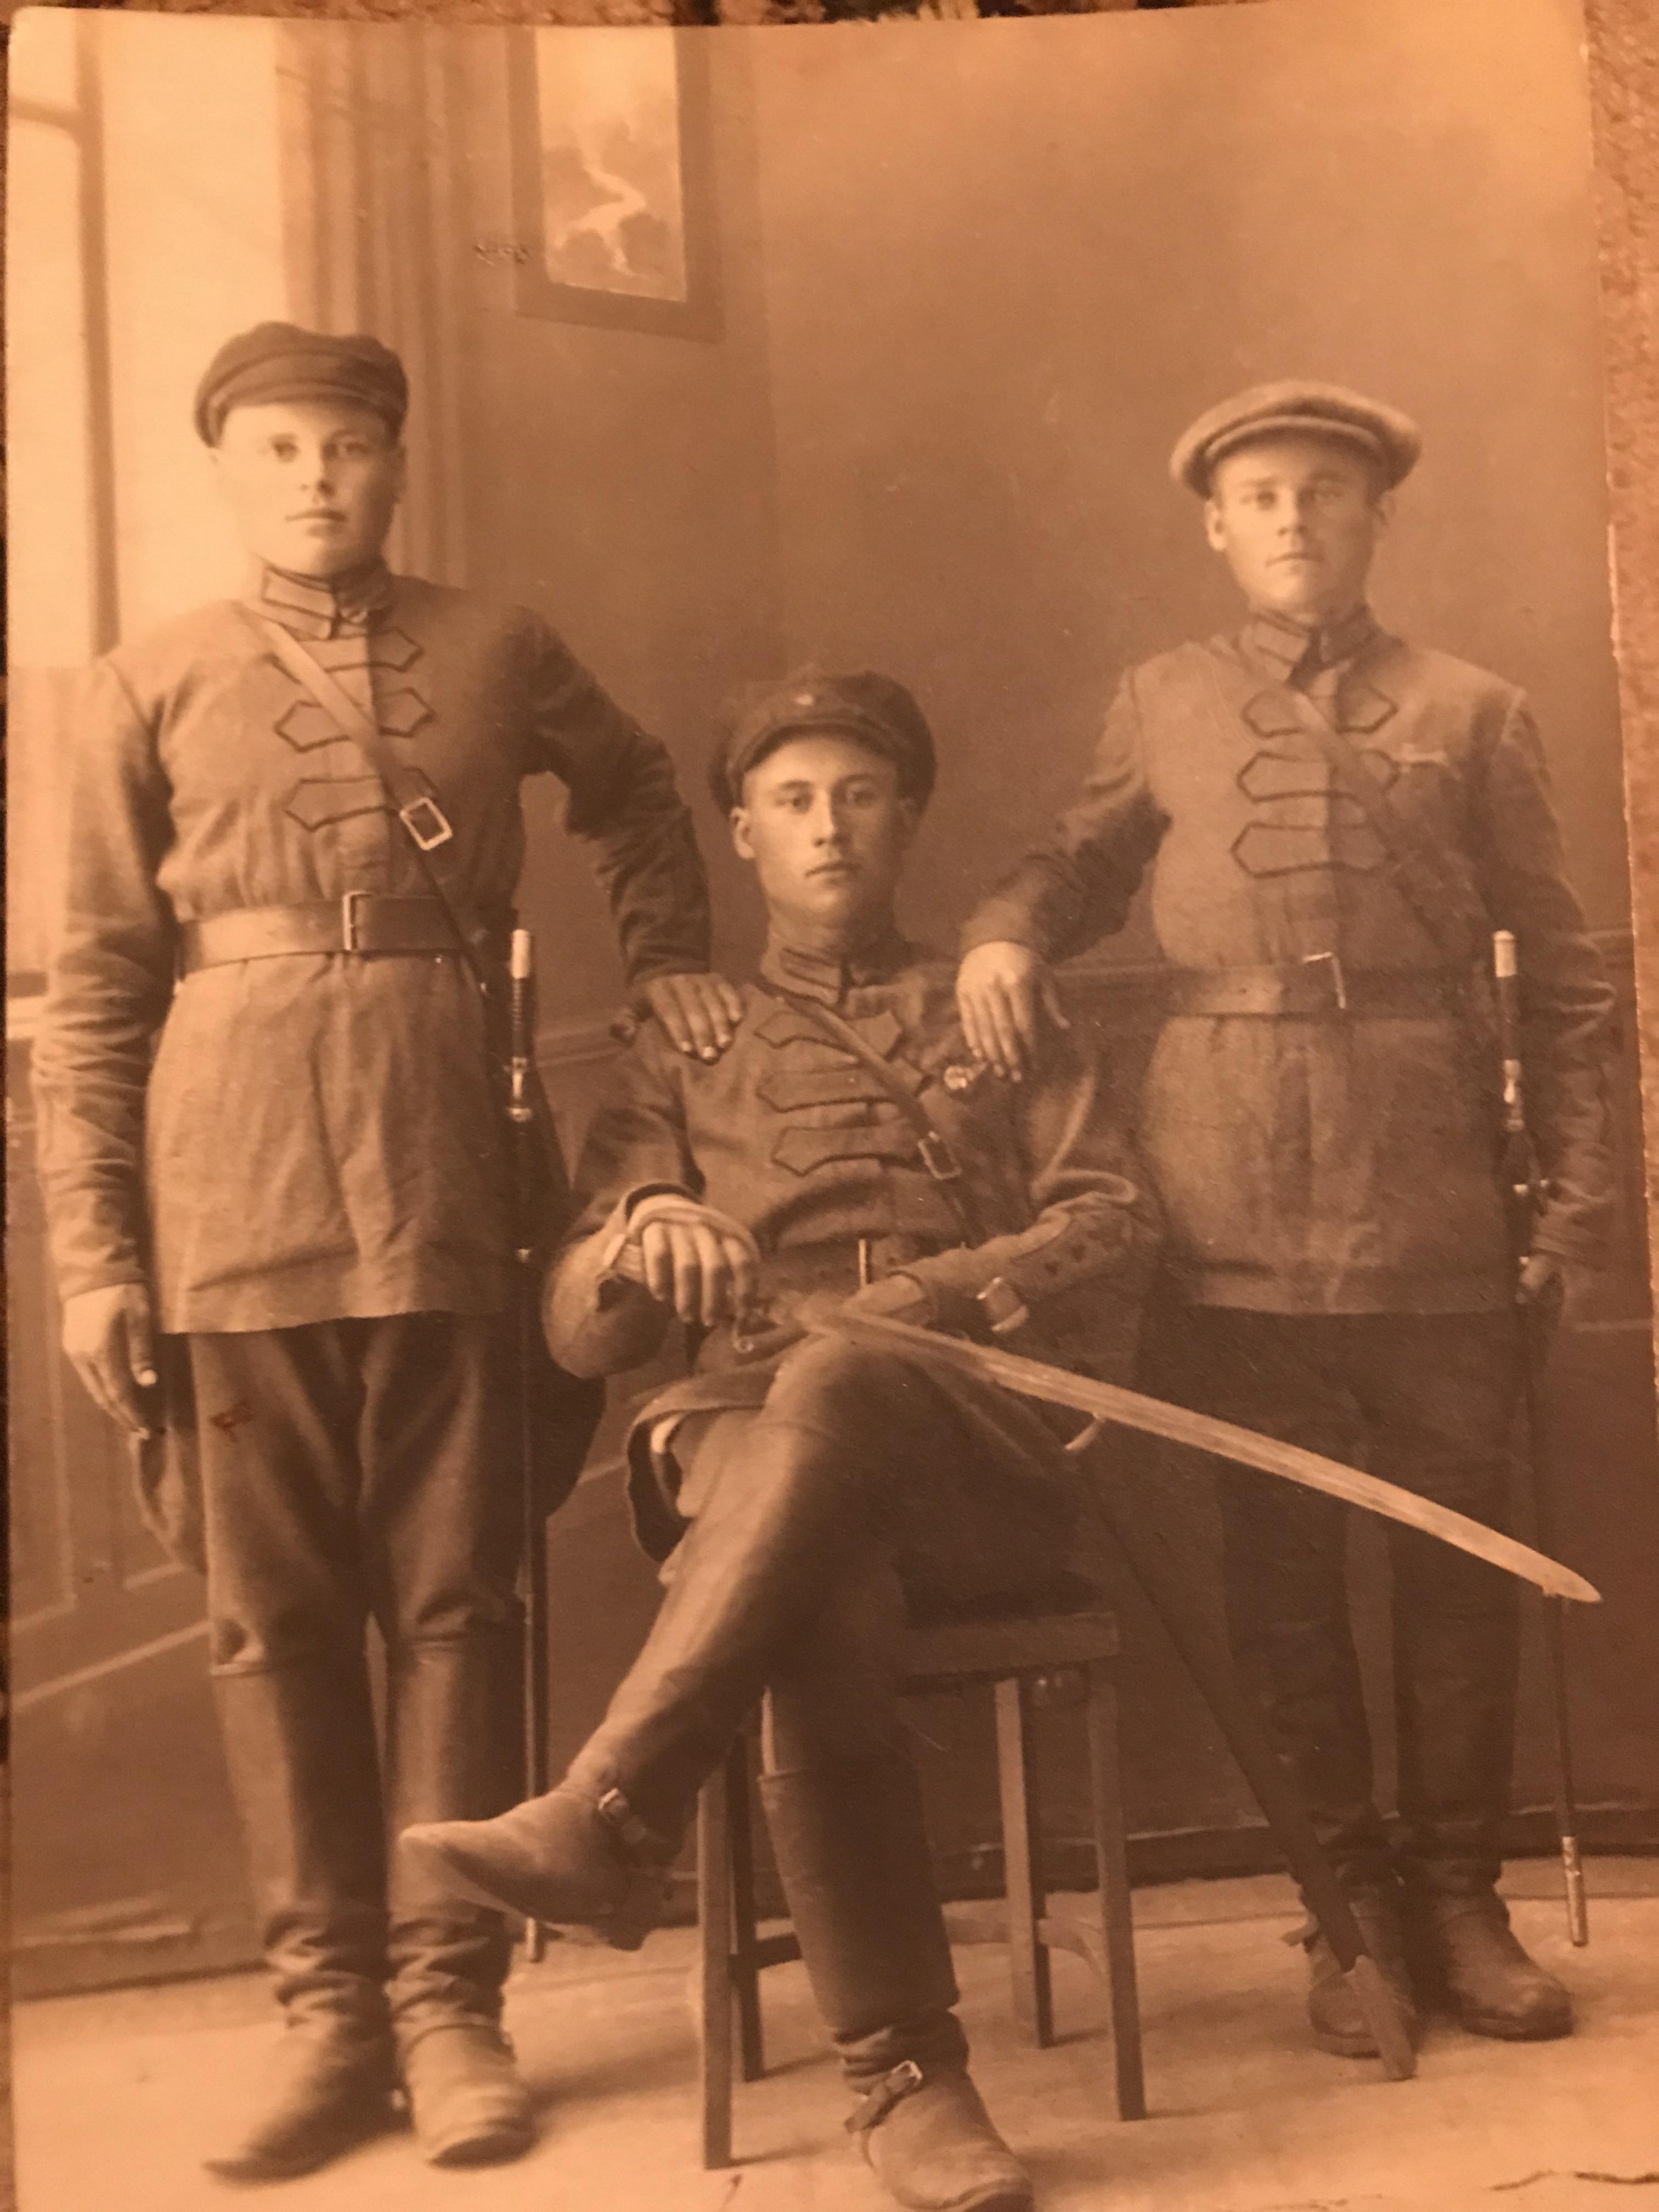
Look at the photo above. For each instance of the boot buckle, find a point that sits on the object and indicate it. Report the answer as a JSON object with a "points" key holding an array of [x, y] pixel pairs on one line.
{"points": [[906, 2078], [642, 1844]]}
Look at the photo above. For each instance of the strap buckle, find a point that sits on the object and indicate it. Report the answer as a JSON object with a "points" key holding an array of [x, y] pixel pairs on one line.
{"points": [[350, 920], [940, 1162], [906, 2078], [1331, 963], [1003, 1307], [640, 1843], [426, 822]]}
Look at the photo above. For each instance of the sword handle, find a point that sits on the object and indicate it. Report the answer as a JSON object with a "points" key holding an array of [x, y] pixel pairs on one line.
{"points": [[522, 974], [1506, 979]]}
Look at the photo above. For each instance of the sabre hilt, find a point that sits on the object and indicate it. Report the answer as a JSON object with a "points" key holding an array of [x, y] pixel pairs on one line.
{"points": [[1520, 1165], [521, 975]]}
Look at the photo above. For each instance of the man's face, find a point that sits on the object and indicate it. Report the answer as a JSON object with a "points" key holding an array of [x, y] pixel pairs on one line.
{"points": [[1298, 519], [824, 823], [312, 484]]}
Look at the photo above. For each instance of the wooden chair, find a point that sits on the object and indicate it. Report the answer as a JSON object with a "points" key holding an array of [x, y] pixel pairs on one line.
{"points": [[1012, 1654]]}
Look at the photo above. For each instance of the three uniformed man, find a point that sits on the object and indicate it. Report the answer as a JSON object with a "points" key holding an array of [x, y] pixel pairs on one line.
{"points": [[306, 1195], [811, 1493], [1335, 822], [275, 1168]]}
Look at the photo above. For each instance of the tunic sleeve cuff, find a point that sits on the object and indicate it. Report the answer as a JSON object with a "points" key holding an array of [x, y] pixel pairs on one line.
{"points": [[996, 924]]}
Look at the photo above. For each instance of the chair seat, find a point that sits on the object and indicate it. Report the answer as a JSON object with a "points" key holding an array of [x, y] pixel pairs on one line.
{"points": [[1020, 1643]]}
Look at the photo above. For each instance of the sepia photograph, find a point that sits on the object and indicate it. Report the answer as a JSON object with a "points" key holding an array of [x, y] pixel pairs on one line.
{"points": [[831, 1356]]}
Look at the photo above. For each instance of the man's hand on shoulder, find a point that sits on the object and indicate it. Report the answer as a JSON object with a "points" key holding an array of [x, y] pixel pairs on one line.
{"points": [[701, 1012], [109, 1335], [1004, 992]]}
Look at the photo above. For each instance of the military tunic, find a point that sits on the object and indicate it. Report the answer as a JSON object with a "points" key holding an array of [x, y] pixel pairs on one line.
{"points": [[1330, 1175], [789, 1133], [1324, 1164], [317, 1139], [311, 1175]]}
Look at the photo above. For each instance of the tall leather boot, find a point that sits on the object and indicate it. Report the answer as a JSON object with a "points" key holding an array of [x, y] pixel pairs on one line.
{"points": [[1333, 2011], [1455, 1637], [300, 1749], [453, 1748], [594, 1852], [851, 1846]]}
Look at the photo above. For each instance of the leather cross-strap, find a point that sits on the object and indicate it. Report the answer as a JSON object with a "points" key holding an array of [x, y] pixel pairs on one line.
{"points": [[1319, 986], [368, 923], [927, 1143], [1425, 872], [409, 792]]}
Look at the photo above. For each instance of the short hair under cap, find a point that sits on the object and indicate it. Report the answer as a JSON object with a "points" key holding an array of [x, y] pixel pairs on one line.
{"points": [[280, 361], [1391, 440], [873, 709]]}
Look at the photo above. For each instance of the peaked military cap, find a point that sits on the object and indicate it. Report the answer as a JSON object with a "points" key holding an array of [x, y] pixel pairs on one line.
{"points": [[280, 361], [1327, 411], [873, 708]]}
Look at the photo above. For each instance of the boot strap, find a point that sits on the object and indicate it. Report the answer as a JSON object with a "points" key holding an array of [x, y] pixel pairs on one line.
{"points": [[643, 1844], [906, 2078]]}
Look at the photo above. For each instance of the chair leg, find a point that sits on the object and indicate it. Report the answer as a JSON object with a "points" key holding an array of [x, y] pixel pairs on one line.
{"points": [[714, 1967], [1116, 1907], [745, 1968], [1028, 1957]]}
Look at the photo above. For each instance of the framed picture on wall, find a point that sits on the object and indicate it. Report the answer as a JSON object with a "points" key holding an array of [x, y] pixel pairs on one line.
{"points": [[613, 201]]}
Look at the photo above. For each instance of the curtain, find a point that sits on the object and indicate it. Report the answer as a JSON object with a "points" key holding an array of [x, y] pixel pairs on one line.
{"points": [[373, 192]]}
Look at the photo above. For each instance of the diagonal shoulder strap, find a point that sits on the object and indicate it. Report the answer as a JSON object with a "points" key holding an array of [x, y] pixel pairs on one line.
{"points": [[433, 837], [936, 1156], [428, 826], [1438, 902]]}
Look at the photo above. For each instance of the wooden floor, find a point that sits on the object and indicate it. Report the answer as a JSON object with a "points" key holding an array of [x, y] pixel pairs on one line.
{"points": [[118, 2094]]}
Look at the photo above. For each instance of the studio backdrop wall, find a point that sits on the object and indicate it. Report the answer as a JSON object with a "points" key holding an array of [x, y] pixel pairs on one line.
{"points": [[952, 291]]}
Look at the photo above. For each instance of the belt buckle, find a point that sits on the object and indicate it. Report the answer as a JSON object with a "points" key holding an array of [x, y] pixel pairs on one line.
{"points": [[426, 822], [1332, 963], [940, 1162], [351, 940]]}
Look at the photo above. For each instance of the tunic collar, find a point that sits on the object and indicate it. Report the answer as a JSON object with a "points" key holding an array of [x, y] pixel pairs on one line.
{"points": [[321, 607], [829, 976], [1290, 650]]}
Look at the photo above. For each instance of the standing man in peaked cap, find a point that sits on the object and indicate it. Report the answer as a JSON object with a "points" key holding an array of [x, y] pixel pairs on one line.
{"points": [[1321, 1118], [275, 1174], [808, 1496]]}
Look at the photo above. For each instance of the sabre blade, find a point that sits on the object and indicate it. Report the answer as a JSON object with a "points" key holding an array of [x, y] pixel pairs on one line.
{"points": [[1178, 1425]]}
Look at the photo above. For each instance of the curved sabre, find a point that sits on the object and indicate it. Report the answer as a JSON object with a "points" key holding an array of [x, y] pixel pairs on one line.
{"points": [[1132, 1409]]}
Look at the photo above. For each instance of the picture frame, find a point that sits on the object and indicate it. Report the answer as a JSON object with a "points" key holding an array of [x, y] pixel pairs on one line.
{"points": [[611, 158]]}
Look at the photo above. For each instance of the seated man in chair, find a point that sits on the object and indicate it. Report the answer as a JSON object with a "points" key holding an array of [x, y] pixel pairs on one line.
{"points": [[810, 1492]]}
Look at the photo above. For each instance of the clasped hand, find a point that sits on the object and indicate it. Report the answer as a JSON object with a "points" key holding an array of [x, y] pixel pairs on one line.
{"points": [[706, 1266], [1544, 1290], [692, 1257]]}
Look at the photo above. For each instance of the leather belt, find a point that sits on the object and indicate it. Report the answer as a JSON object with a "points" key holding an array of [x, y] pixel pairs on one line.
{"points": [[1319, 986], [841, 1263], [362, 922]]}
